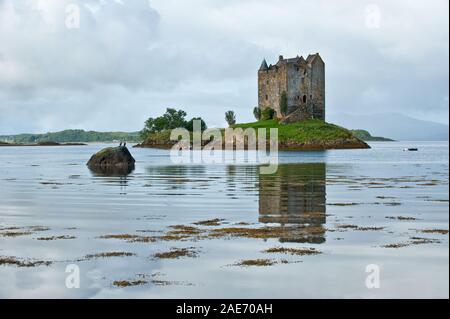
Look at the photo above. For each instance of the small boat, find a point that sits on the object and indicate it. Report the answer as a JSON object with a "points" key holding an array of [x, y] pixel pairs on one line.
{"points": [[411, 149]]}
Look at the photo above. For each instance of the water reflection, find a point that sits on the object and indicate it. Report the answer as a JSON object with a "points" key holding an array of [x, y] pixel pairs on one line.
{"points": [[175, 177], [169, 171], [111, 171], [113, 176], [241, 180], [295, 195]]}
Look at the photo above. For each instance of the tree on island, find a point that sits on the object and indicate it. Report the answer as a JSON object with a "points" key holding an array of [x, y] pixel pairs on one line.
{"points": [[230, 117], [172, 119], [257, 113], [190, 124]]}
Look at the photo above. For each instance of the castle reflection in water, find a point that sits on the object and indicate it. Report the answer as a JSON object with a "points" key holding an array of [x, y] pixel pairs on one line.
{"points": [[295, 196], [293, 199]]}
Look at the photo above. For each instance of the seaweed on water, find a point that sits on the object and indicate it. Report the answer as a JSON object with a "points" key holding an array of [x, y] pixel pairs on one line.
{"points": [[293, 251], [14, 261], [176, 253]]}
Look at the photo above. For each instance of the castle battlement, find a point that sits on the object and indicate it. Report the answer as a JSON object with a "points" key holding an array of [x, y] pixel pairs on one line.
{"points": [[303, 82]]}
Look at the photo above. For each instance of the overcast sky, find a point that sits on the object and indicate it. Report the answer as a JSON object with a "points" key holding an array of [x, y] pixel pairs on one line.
{"points": [[129, 60]]}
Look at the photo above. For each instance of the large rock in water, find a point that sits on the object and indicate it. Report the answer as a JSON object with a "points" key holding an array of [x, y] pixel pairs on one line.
{"points": [[112, 159]]}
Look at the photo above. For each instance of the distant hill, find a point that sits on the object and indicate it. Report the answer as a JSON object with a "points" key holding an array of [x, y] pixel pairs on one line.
{"points": [[367, 137], [393, 125], [72, 136]]}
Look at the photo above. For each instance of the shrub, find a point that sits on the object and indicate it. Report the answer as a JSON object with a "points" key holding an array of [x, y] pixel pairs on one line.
{"points": [[267, 114], [257, 113]]}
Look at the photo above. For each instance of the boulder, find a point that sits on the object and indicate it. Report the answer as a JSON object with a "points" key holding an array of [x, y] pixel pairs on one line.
{"points": [[111, 159]]}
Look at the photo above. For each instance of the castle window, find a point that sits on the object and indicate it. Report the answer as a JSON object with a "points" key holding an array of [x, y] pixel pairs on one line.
{"points": [[267, 82], [304, 98], [267, 97]]}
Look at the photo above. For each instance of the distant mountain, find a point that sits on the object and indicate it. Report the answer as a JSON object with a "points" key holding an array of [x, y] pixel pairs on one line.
{"points": [[72, 136], [393, 125]]}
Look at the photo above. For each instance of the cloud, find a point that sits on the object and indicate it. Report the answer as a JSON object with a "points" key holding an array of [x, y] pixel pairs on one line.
{"points": [[107, 49], [131, 59]]}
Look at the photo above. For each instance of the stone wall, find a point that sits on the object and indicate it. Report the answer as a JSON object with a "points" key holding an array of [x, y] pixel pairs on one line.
{"points": [[271, 84]]}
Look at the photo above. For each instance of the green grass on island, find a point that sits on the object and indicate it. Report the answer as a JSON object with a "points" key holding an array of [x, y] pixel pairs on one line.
{"points": [[312, 130], [302, 132]]}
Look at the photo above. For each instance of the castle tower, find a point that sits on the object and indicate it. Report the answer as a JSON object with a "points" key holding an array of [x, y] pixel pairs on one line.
{"points": [[303, 83]]}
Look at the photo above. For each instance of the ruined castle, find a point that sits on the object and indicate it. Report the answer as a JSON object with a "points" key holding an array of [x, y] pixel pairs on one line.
{"points": [[299, 82]]}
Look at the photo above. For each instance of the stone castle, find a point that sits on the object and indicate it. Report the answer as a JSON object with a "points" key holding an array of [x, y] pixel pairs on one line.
{"points": [[300, 82]]}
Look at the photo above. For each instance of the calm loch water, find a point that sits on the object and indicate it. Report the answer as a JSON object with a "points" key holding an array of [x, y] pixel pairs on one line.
{"points": [[169, 231]]}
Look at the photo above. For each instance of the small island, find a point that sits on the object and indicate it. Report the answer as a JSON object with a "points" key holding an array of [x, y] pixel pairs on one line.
{"points": [[291, 98], [306, 135]]}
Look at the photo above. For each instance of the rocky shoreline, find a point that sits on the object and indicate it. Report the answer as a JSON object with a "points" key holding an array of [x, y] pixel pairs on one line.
{"points": [[338, 144]]}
